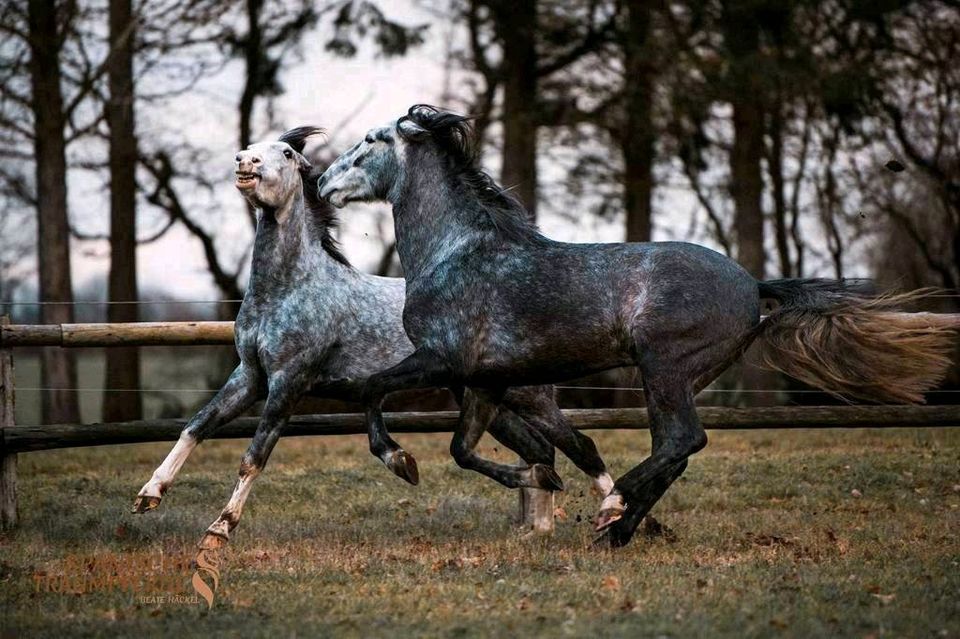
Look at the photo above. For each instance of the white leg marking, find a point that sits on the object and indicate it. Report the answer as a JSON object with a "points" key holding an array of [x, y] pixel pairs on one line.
{"points": [[164, 474], [603, 484], [240, 493], [543, 506]]}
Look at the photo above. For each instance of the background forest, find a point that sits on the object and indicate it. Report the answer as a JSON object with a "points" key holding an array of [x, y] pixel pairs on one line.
{"points": [[802, 137]]}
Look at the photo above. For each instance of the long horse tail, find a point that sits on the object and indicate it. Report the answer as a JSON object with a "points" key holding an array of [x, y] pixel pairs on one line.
{"points": [[835, 336]]}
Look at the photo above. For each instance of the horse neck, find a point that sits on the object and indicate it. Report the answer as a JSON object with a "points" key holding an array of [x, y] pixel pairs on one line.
{"points": [[432, 218], [285, 248]]}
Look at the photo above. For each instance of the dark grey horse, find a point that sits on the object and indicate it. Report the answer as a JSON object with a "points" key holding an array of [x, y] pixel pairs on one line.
{"points": [[311, 322], [492, 303]]}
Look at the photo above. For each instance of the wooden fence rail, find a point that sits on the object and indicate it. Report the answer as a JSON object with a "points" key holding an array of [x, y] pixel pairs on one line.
{"points": [[19, 439]]}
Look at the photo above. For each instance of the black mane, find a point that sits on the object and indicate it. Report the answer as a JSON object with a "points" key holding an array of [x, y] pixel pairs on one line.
{"points": [[321, 213], [456, 137]]}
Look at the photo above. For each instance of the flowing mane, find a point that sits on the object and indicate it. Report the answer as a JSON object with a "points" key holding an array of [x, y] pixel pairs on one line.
{"points": [[321, 213], [457, 139]]}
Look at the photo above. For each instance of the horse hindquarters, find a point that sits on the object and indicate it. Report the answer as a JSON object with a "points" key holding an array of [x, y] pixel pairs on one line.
{"points": [[679, 350]]}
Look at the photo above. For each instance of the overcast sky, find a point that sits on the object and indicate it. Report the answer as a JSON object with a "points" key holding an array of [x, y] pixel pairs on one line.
{"points": [[346, 96]]}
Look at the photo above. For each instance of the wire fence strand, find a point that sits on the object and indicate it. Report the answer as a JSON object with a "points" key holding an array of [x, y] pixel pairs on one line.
{"points": [[238, 301], [588, 388]]}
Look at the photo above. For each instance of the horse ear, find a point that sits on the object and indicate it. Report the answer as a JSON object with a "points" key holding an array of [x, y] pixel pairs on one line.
{"points": [[411, 130], [302, 162]]}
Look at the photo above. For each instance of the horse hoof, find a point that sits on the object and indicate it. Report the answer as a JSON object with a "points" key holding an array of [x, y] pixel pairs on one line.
{"points": [[404, 466], [608, 517], [212, 541], [545, 477], [145, 503]]}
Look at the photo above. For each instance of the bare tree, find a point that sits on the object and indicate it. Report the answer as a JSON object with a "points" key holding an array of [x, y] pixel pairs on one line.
{"points": [[58, 366], [123, 364]]}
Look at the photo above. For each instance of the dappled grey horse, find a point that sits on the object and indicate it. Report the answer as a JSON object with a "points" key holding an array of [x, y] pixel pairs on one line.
{"points": [[492, 303], [311, 322]]}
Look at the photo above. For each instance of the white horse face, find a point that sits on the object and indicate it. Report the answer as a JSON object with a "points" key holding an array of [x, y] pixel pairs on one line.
{"points": [[268, 173], [370, 170]]}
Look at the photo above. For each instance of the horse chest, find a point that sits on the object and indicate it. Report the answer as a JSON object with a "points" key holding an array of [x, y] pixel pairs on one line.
{"points": [[270, 337]]}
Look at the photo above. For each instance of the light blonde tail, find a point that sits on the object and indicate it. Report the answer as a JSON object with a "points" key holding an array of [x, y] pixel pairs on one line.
{"points": [[831, 337]]}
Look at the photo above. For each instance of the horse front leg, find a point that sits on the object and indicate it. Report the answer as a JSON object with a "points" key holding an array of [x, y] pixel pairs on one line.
{"points": [[237, 395], [283, 395], [419, 370], [480, 408]]}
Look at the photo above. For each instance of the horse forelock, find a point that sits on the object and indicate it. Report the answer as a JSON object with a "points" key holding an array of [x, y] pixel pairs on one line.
{"points": [[456, 138], [297, 138]]}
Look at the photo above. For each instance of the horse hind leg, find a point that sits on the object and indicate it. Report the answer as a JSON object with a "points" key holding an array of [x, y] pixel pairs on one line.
{"points": [[676, 434], [619, 532]]}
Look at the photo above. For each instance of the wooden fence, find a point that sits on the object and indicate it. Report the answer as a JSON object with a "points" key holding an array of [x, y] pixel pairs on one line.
{"points": [[19, 439]]}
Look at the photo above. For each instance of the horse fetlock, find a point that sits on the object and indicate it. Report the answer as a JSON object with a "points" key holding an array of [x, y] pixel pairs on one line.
{"points": [[602, 484], [217, 535], [403, 465]]}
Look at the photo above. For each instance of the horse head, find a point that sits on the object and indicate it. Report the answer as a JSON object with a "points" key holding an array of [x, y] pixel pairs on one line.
{"points": [[269, 174]]}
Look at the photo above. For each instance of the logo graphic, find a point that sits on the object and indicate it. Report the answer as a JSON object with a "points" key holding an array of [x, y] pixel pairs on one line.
{"points": [[207, 564]]}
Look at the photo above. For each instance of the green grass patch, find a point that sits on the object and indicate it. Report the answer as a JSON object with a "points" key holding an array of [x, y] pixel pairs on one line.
{"points": [[808, 533]]}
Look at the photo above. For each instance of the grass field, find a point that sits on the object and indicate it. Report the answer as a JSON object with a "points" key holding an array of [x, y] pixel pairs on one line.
{"points": [[841, 534]]}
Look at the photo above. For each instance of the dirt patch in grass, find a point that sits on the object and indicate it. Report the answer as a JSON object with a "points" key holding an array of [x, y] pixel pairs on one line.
{"points": [[808, 533]]}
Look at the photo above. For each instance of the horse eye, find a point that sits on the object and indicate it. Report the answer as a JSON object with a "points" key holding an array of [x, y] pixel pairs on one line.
{"points": [[358, 160], [287, 153]]}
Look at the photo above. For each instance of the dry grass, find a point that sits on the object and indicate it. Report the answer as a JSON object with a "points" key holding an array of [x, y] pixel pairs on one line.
{"points": [[770, 541]]}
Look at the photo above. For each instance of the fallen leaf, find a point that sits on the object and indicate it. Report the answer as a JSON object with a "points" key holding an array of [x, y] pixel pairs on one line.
{"points": [[885, 599], [856, 493], [610, 582]]}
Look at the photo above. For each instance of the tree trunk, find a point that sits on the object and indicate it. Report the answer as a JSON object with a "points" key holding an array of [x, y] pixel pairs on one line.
{"points": [[516, 26], [58, 366], [775, 164], [746, 182], [253, 58], [636, 141], [123, 364], [742, 37]]}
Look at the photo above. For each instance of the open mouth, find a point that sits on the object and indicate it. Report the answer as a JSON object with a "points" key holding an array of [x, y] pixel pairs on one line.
{"points": [[246, 180]]}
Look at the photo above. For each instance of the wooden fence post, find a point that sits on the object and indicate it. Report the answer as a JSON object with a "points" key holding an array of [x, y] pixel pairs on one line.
{"points": [[8, 461]]}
